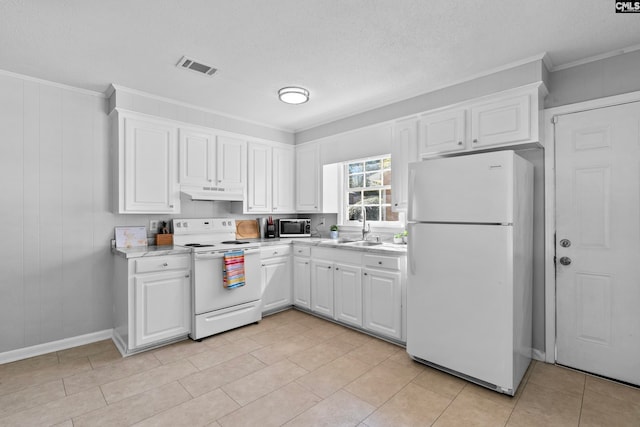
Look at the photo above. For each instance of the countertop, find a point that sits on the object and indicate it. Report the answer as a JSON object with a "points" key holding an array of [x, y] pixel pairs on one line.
{"points": [[146, 251]]}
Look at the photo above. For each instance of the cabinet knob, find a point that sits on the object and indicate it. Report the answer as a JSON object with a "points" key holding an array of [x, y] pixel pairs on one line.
{"points": [[275, 209], [275, 252], [366, 274], [337, 269], [187, 276], [165, 264], [475, 140], [263, 265], [459, 142], [379, 262], [306, 263], [329, 267], [171, 206]]}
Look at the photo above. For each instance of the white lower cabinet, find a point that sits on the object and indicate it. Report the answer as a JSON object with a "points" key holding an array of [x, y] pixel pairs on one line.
{"points": [[302, 276], [322, 287], [347, 288], [152, 301], [276, 277], [382, 294]]}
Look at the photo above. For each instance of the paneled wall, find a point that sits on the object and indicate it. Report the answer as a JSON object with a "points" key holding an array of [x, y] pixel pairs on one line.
{"points": [[55, 259]]}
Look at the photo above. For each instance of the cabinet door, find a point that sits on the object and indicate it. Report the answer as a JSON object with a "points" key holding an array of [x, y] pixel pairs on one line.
{"points": [[259, 178], [308, 178], [277, 283], [322, 287], [302, 282], [403, 151], [197, 154], [231, 163], [149, 179], [383, 302], [347, 289], [442, 132], [501, 122], [283, 180], [162, 306]]}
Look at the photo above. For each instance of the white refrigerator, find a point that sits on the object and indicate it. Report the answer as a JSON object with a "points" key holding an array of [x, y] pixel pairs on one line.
{"points": [[469, 296]]}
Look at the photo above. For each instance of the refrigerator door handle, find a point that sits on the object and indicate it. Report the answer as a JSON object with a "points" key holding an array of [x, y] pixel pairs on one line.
{"points": [[412, 181], [412, 265]]}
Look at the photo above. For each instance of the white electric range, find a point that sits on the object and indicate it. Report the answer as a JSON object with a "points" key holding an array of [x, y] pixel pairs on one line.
{"points": [[216, 308]]}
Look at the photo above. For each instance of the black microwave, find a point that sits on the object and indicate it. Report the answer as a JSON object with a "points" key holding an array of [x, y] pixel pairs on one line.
{"points": [[300, 227]]}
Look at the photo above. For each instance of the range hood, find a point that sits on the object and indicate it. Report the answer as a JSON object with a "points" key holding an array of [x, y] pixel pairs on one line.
{"points": [[212, 193]]}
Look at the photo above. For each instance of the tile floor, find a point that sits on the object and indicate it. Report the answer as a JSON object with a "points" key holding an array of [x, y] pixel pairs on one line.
{"points": [[290, 369]]}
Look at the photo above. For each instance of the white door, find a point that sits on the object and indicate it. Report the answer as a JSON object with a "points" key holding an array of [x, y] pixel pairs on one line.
{"points": [[347, 289], [382, 302], [476, 189], [322, 287], [598, 241], [302, 282]]}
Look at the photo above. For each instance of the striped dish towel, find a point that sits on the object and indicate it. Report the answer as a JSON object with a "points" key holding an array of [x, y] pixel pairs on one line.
{"points": [[233, 273]]}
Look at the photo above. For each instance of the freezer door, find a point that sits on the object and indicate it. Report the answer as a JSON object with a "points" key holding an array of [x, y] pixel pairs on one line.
{"points": [[475, 188], [460, 299]]}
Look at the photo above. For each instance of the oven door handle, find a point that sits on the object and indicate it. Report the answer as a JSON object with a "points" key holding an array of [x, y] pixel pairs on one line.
{"points": [[221, 254], [208, 256]]}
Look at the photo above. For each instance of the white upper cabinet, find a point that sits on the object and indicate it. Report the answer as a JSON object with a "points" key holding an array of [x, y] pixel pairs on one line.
{"points": [[197, 148], [442, 132], [509, 118], [403, 151], [283, 179], [213, 161], [308, 191], [231, 163], [270, 186], [501, 122], [147, 166], [259, 191]]}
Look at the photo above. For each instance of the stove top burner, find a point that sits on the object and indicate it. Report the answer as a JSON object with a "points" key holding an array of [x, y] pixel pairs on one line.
{"points": [[197, 245], [234, 242]]}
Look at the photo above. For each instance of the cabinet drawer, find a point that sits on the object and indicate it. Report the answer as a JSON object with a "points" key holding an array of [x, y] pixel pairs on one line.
{"points": [[163, 263], [381, 261], [299, 250], [272, 251]]}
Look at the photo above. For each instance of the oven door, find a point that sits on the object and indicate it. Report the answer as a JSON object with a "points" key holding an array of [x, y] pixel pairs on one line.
{"points": [[208, 291]]}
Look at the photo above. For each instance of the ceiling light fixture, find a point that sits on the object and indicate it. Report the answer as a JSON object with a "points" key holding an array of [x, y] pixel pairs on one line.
{"points": [[293, 95]]}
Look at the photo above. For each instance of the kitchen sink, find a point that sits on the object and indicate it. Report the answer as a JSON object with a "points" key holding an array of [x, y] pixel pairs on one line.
{"points": [[363, 243]]}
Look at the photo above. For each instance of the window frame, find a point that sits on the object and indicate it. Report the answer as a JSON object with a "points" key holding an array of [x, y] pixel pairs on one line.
{"points": [[343, 217]]}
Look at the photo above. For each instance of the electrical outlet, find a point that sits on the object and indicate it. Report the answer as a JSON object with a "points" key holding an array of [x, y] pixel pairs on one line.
{"points": [[321, 221], [153, 226]]}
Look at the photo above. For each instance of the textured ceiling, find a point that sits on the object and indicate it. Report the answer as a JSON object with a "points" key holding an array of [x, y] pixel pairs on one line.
{"points": [[353, 55]]}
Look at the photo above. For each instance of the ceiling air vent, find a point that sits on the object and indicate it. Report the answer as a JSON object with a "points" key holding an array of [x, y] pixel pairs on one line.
{"points": [[198, 67]]}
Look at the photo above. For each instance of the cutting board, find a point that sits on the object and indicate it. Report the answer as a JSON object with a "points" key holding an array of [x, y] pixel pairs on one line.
{"points": [[247, 229]]}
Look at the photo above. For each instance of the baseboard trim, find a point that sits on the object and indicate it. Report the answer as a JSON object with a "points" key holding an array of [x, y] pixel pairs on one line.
{"points": [[63, 344], [538, 355]]}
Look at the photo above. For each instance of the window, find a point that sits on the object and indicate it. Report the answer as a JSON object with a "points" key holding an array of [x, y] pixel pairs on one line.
{"points": [[368, 187]]}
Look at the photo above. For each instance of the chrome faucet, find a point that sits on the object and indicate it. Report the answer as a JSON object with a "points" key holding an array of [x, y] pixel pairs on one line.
{"points": [[365, 230]]}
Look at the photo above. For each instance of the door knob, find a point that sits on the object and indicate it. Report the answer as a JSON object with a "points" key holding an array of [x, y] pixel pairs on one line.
{"points": [[565, 243], [565, 260]]}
